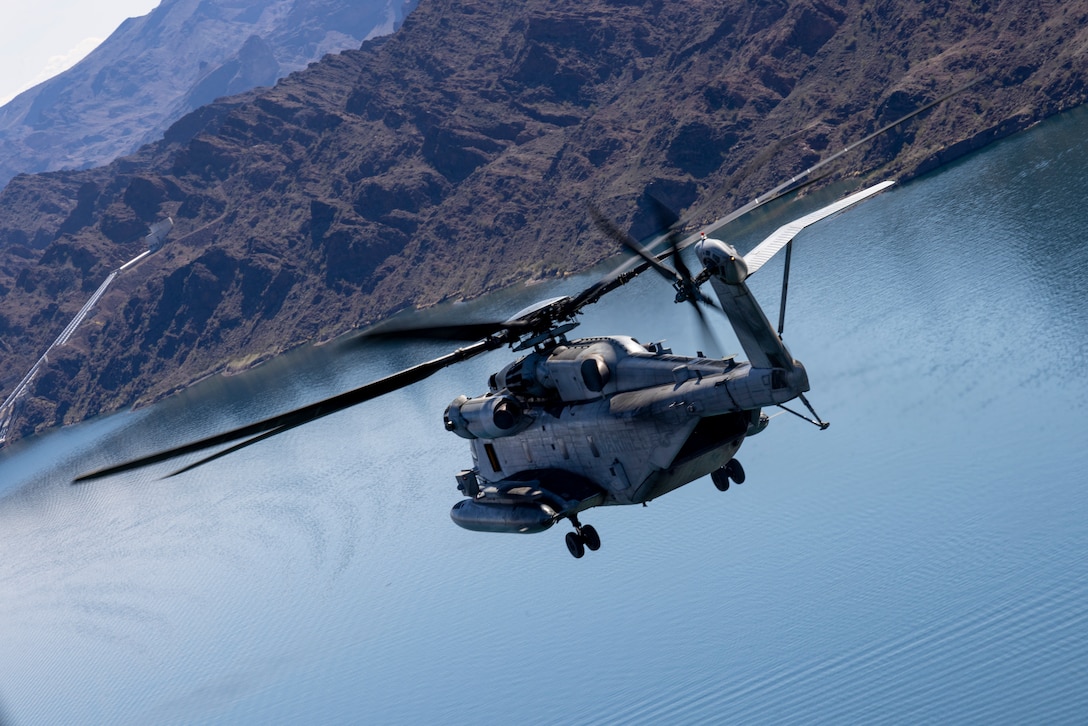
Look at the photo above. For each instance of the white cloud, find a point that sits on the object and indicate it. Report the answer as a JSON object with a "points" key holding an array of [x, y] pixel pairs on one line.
{"points": [[34, 36], [58, 64]]}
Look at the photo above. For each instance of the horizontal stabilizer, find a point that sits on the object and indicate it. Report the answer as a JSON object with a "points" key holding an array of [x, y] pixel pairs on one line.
{"points": [[782, 236]]}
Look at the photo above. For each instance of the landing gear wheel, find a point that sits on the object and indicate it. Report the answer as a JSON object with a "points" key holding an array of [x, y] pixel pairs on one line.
{"points": [[735, 471], [720, 479], [576, 545], [591, 538]]}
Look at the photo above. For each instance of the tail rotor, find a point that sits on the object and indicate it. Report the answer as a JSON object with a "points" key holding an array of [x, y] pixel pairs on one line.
{"points": [[679, 276]]}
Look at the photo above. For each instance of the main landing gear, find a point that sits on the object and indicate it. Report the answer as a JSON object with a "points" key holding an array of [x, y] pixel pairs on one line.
{"points": [[584, 536], [732, 471]]}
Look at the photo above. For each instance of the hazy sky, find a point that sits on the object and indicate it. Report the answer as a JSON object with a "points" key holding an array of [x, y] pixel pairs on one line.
{"points": [[41, 38]]}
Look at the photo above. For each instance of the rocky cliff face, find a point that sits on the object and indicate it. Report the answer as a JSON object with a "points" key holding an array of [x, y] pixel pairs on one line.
{"points": [[459, 155], [182, 55]]}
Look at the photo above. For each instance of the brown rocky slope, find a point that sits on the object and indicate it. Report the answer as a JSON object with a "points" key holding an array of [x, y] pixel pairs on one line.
{"points": [[459, 155]]}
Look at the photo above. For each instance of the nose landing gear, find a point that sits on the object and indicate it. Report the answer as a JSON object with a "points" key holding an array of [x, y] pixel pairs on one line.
{"points": [[583, 537]]}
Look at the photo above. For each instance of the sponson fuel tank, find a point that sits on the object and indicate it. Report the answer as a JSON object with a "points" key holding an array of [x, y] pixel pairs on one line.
{"points": [[531, 502], [479, 516]]}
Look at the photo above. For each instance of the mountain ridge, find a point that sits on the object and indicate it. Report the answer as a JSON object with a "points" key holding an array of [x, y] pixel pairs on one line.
{"points": [[157, 67], [459, 154]]}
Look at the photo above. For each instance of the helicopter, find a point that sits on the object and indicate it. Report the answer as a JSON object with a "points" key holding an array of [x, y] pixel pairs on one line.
{"points": [[597, 421], [578, 423]]}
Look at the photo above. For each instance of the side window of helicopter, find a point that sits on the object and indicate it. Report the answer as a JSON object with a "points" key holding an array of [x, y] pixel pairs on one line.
{"points": [[492, 457]]}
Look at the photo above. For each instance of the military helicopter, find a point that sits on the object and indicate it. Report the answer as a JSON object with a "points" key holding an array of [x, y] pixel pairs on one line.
{"points": [[574, 424]]}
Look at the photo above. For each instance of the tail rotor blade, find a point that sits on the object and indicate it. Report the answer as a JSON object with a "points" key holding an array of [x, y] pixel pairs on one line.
{"points": [[710, 341], [687, 289], [628, 242]]}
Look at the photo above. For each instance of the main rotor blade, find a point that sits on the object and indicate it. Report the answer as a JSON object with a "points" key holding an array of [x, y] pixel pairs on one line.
{"points": [[283, 422], [644, 260], [459, 332], [225, 452], [793, 184], [668, 220]]}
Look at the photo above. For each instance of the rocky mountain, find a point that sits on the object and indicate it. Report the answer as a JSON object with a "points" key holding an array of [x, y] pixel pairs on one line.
{"points": [[459, 154], [184, 54]]}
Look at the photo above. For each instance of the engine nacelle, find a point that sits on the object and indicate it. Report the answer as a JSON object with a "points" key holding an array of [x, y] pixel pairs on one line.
{"points": [[486, 417], [520, 518], [524, 377], [722, 259]]}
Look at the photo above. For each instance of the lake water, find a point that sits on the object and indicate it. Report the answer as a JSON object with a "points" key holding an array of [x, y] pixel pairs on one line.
{"points": [[925, 559]]}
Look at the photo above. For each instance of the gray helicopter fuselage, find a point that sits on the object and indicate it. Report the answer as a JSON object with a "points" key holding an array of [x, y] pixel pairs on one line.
{"points": [[608, 421], [627, 435], [629, 421]]}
